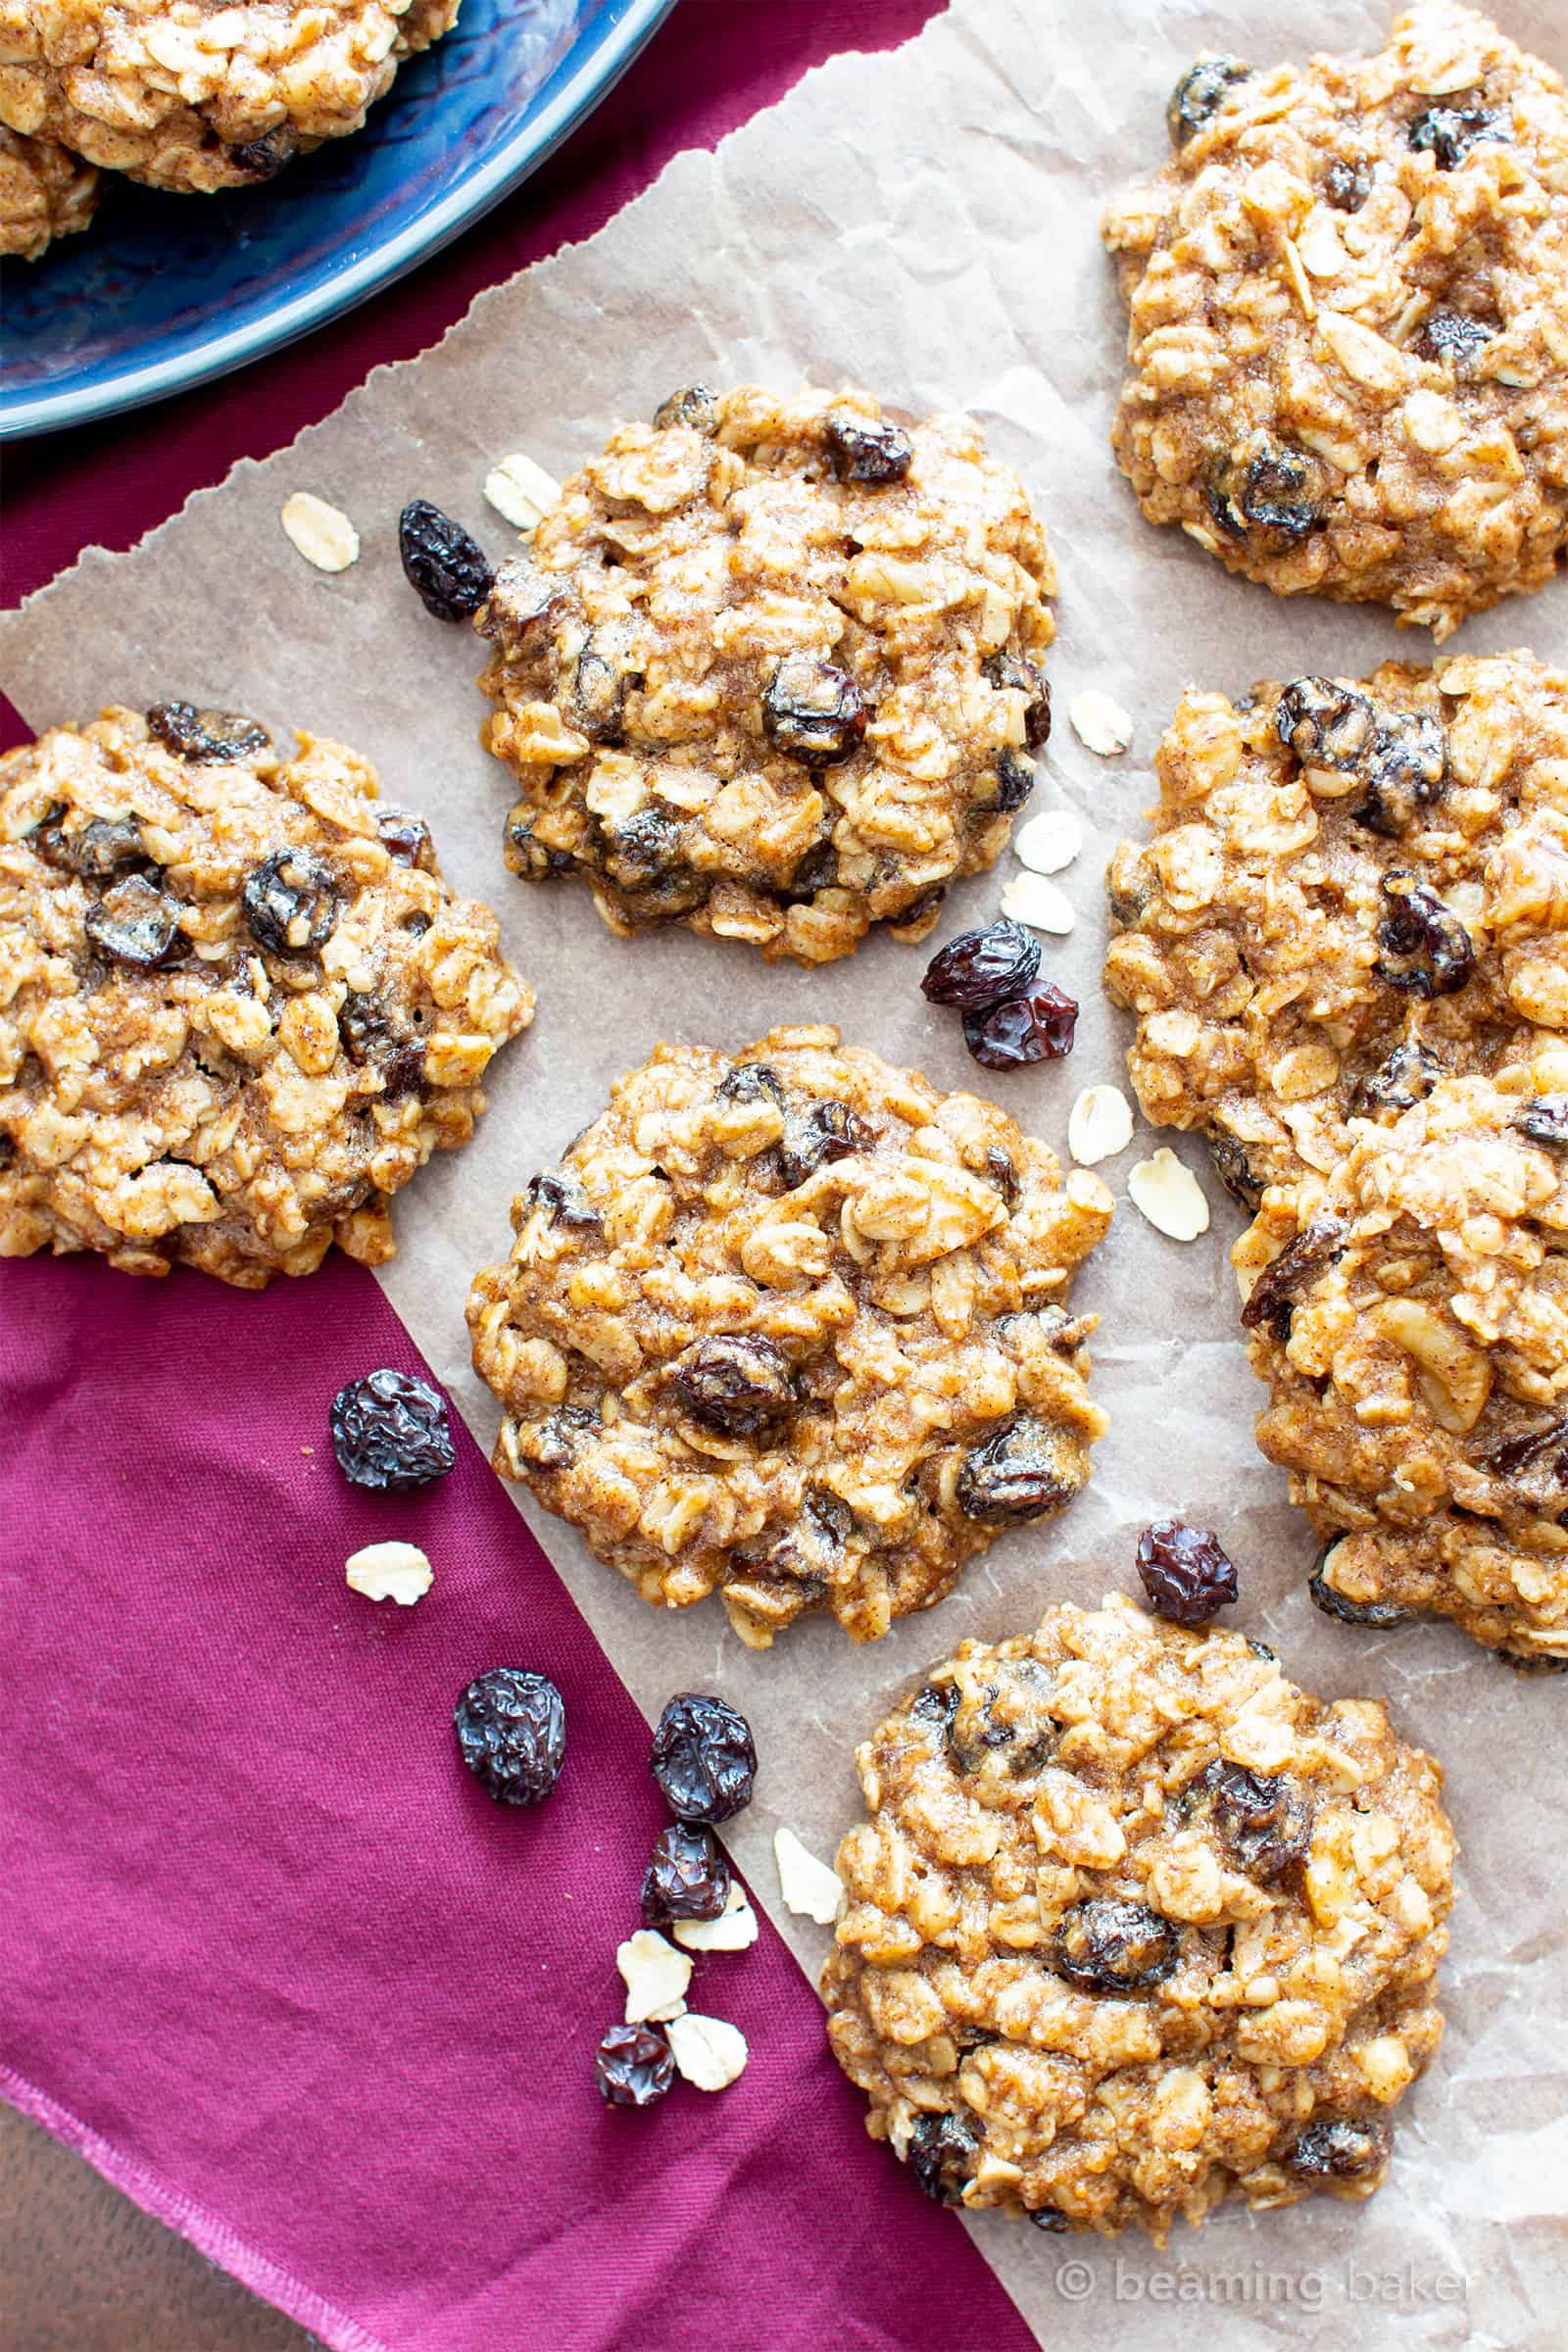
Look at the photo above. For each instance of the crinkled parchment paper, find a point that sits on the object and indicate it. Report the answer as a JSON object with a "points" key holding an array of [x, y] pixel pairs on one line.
{"points": [[924, 223]]}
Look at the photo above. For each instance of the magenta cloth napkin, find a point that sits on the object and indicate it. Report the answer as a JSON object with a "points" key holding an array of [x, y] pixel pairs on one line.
{"points": [[276, 1964]]}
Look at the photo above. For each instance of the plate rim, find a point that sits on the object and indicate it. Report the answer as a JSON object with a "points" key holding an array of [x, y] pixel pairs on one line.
{"points": [[342, 289]]}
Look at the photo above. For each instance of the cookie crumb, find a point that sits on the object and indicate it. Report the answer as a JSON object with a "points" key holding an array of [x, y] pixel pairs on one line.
{"points": [[1168, 1193], [810, 1888], [709, 2052], [521, 490], [398, 1572], [1101, 726], [324, 535], [1099, 1125]]}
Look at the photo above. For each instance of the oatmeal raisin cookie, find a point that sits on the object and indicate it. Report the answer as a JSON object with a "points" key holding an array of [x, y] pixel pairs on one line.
{"points": [[238, 1006], [45, 192], [196, 95], [1353, 888], [1409, 1314], [1133, 1925], [789, 1325], [1347, 363], [770, 669]]}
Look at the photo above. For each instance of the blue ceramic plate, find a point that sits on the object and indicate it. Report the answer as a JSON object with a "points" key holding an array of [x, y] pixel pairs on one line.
{"points": [[163, 292]]}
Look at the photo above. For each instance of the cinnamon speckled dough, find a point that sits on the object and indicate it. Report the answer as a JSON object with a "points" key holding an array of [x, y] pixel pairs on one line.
{"points": [[45, 192], [1413, 1329], [196, 95], [238, 1006], [1348, 362], [789, 1325], [1134, 1925], [1261, 928], [769, 669]]}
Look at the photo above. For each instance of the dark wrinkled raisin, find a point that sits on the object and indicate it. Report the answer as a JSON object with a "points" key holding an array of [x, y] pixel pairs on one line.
{"points": [[646, 851], [1006, 1723], [1234, 1169], [1374, 1614], [599, 686], [553, 1444], [538, 860], [135, 925], [812, 711], [1048, 2216], [862, 450], [688, 1878], [1199, 94], [752, 1082], [1430, 948], [938, 1703], [807, 1553], [104, 847], [1449, 132], [390, 1432], [1186, 1573], [521, 600], [1011, 672], [291, 902], [817, 870], [371, 1036], [1347, 186], [1512, 1454], [695, 406], [405, 838], [1037, 1025], [263, 158], [741, 1386], [563, 1199], [940, 2154], [1108, 1944], [1263, 1817], [1324, 723], [1538, 1663], [1274, 489], [634, 2066], [448, 570], [1015, 780], [1543, 1120], [703, 1758], [817, 1136], [202, 735], [1346, 2148], [978, 968], [1261, 1650], [1405, 765], [512, 1734], [1299, 1264], [1025, 1470], [1407, 1076], [1453, 338], [1000, 1171]]}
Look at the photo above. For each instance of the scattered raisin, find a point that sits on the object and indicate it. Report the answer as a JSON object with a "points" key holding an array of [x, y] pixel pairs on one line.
{"points": [[752, 1082], [1027, 1469], [553, 1444], [1374, 1614], [978, 968], [521, 600], [864, 451], [563, 1199], [1037, 1025], [263, 158], [704, 1757], [1512, 1454], [1048, 2216], [1347, 186], [688, 1878], [938, 1703], [448, 570], [634, 2066], [1000, 1171], [512, 1734], [695, 406], [137, 925], [291, 902], [1010, 672], [1015, 780], [105, 846], [1543, 1120], [812, 711], [1274, 489], [527, 855], [405, 838], [1272, 1296], [1263, 1817], [645, 853], [1109, 1945], [1405, 765], [1323, 722], [1199, 94], [824, 1133], [372, 1037], [390, 1432], [940, 2154], [1234, 1169], [201, 735], [1535, 1662], [1346, 2148], [599, 684], [741, 1386], [1407, 1076], [1449, 132], [807, 1552], [1452, 338], [1186, 1573], [1431, 948]]}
